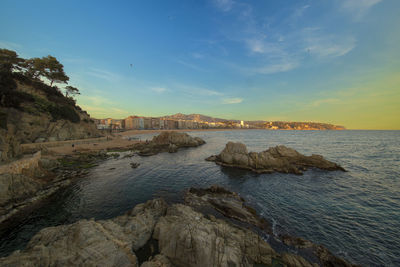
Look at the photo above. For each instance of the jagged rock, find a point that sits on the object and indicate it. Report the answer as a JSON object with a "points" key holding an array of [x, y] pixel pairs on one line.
{"points": [[325, 257], [9, 146], [84, 243], [15, 188], [92, 243], [136, 227], [134, 165], [172, 148], [182, 236], [158, 261], [294, 260], [187, 238], [49, 164], [178, 139], [19, 181], [229, 204], [41, 127], [168, 142], [275, 159]]}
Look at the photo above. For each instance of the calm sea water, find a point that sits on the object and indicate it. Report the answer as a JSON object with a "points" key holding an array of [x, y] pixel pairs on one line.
{"points": [[356, 214]]}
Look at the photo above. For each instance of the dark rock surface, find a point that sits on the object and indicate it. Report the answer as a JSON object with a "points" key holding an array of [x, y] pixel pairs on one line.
{"points": [[275, 159]]}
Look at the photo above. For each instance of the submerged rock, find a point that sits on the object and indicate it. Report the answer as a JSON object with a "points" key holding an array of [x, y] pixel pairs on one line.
{"points": [[275, 159], [168, 142], [134, 165]]}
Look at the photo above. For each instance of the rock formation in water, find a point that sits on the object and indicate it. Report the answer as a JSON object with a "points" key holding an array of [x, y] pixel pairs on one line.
{"points": [[275, 159], [32, 178], [155, 234], [168, 141]]}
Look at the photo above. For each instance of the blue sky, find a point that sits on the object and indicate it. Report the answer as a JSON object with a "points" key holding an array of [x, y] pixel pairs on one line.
{"points": [[331, 61]]}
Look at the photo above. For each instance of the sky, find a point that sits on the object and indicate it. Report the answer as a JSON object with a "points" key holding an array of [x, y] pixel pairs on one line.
{"points": [[335, 61]]}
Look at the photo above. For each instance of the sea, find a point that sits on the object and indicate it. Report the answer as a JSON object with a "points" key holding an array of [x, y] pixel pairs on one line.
{"points": [[355, 214]]}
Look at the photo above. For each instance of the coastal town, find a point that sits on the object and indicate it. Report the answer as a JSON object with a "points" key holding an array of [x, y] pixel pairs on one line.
{"points": [[197, 121]]}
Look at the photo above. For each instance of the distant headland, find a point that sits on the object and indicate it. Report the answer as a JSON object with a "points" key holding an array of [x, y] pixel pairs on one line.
{"points": [[199, 121]]}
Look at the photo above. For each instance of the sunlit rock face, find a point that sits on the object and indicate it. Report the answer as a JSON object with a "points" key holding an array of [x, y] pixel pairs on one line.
{"points": [[92, 243], [168, 142], [155, 234], [275, 159]]}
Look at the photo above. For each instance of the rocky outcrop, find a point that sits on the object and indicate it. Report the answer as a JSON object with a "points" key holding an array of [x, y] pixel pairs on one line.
{"points": [[275, 159], [182, 236], [158, 261], [187, 238], [92, 243], [325, 257], [20, 182], [229, 204], [25, 181], [41, 127], [9, 146], [167, 142]]}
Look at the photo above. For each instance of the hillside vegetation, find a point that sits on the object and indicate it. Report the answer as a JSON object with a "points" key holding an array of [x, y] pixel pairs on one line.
{"points": [[33, 108]]}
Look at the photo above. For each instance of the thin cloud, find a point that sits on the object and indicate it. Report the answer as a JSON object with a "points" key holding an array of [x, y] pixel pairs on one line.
{"points": [[299, 12], [276, 68], [229, 101], [358, 8], [321, 45], [9, 45], [158, 89], [197, 91], [192, 66], [197, 55], [104, 74], [320, 102], [96, 100], [224, 5]]}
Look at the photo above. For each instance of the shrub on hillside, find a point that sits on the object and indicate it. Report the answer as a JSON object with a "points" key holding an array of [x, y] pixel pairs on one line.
{"points": [[64, 112]]}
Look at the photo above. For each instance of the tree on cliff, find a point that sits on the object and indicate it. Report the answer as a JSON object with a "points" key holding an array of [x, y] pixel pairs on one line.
{"points": [[47, 67], [71, 91], [9, 60]]}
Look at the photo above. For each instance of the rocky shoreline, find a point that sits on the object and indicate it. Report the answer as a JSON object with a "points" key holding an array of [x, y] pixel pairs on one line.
{"points": [[275, 159], [214, 227], [33, 178], [37, 178]]}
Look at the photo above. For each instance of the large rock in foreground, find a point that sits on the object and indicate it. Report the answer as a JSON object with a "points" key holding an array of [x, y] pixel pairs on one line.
{"points": [[92, 243], [154, 234], [188, 238], [168, 142], [231, 205], [275, 159]]}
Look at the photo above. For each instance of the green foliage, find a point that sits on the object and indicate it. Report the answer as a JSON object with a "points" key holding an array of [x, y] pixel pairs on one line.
{"points": [[9, 97], [57, 112], [47, 67], [70, 90], [9, 60], [56, 104], [64, 112], [3, 120]]}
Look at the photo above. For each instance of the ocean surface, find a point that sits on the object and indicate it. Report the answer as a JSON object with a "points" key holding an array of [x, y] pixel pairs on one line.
{"points": [[356, 214]]}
